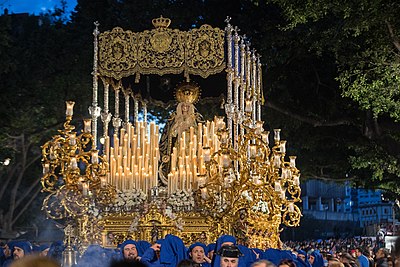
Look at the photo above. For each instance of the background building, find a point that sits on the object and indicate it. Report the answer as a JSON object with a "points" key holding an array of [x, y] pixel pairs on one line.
{"points": [[338, 210]]}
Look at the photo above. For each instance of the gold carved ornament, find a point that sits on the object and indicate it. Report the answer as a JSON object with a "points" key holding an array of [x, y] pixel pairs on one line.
{"points": [[161, 51], [264, 188], [73, 172]]}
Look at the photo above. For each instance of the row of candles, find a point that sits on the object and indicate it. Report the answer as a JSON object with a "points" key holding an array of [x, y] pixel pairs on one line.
{"points": [[192, 151], [134, 157]]}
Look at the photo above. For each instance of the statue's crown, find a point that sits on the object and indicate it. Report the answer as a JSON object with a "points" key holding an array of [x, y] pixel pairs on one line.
{"points": [[161, 22], [187, 92]]}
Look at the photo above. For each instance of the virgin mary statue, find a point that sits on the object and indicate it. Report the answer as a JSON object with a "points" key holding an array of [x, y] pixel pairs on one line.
{"points": [[185, 116]]}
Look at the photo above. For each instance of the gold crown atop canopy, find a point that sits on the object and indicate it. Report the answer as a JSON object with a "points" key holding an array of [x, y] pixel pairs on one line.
{"points": [[161, 22], [187, 92]]}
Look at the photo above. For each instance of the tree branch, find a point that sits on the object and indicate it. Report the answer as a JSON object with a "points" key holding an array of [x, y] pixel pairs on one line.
{"points": [[27, 192], [394, 37], [308, 120], [8, 179], [21, 211]]}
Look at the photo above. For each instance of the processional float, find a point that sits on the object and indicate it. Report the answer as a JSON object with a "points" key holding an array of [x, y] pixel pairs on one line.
{"points": [[198, 179]]}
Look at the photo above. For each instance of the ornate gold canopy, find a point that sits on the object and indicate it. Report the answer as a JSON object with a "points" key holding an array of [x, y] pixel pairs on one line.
{"points": [[161, 51]]}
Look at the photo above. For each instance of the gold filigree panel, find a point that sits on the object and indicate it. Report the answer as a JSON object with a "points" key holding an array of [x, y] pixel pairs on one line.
{"points": [[117, 53], [189, 226], [205, 51], [161, 51]]}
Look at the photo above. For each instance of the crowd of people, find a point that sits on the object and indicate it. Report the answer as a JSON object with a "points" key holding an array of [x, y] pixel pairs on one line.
{"points": [[226, 252]]}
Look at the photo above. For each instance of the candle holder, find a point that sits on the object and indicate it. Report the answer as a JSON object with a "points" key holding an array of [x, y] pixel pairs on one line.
{"points": [[74, 174]]}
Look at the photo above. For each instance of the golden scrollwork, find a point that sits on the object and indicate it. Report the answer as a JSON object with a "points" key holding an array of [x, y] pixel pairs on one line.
{"points": [[154, 224], [161, 51], [117, 53], [205, 51]]}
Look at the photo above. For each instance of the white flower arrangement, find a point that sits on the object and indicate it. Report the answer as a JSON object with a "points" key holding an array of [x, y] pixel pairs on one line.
{"points": [[94, 211], [261, 206], [128, 200], [181, 199]]}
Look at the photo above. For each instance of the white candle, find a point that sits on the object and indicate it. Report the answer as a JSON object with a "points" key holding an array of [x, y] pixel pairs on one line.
{"points": [[291, 207], [87, 125], [85, 189], [292, 161], [70, 108], [252, 151], [265, 137], [248, 105], [203, 193], [277, 161], [46, 168], [283, 194], [95, 157], [283, 146], [277, 135], [206, 154], [72, 139], [73, 164]]}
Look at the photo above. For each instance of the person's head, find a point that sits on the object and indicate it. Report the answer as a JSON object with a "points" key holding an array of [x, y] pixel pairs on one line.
{"points": [[381, 253], [35, 261], [21, 249], [390, 261], [229, 256], [225, 240], [334, 263], [346, 258], [44, 249], [286, 263], [129, 250], [301, 256], [18, 253], [197, 252], [229, 262], [263, 263], [311, 259], [359, 251]]}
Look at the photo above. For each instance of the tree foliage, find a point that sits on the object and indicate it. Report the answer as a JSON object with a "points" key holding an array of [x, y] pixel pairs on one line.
{"points": [[362, 37]]}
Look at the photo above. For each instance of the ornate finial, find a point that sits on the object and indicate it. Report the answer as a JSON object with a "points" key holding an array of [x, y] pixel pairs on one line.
{"points": [[96, 28], [161, 23], [187, 92], [228, 19], [248, 44]]}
